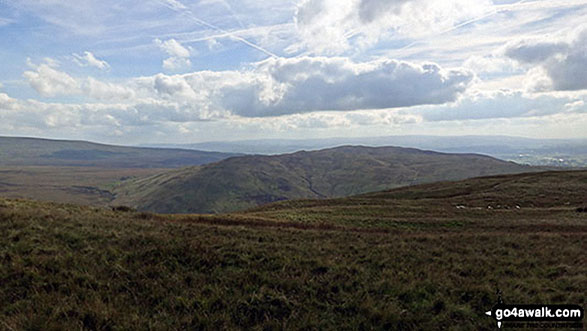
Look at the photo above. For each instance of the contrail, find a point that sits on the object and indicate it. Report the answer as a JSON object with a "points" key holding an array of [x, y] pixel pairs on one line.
{"points": [[491, 13], [460, 25], [229, 8], [186, 12]]}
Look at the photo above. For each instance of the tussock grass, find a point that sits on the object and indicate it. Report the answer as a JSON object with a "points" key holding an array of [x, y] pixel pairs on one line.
{"points": [[65, 267]]}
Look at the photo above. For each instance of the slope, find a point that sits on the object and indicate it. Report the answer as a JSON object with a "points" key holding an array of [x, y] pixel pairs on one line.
{"points": [[482, 201], [426, 264], [82, 172], [243, 182]]}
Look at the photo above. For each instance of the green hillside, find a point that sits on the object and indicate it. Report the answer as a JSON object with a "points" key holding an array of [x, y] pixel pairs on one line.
{"points": [[243, 182], [82, 172], [405, 259], [484, 200], [15, 151]]}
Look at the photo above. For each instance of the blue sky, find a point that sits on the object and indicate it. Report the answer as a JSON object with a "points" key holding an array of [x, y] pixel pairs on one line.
{"points": [[179, 71]]}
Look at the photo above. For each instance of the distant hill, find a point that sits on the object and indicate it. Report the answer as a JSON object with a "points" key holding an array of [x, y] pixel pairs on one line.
{"points": [[16, 151], [243, 182], [545, 152]]}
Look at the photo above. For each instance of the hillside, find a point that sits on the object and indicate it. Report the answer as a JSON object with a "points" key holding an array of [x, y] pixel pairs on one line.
{"points": [[82, 172], [16, 151], [405, 259], [243, 182], [509, 198]]}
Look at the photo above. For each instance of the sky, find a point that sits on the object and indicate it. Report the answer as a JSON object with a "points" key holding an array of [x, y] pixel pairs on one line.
{"points": [[185, 71]]}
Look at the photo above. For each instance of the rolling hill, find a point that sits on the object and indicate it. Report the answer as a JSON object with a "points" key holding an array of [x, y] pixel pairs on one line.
{"points": [[16, 151], [82, 172], [243, 182], [427, 257]]}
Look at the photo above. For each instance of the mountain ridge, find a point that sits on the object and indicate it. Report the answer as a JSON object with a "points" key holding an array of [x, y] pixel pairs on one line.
{"points": [[242, 182]]}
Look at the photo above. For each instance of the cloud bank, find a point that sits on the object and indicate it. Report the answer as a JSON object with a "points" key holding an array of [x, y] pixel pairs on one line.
{"points": [[557, 64], [300, 85]]}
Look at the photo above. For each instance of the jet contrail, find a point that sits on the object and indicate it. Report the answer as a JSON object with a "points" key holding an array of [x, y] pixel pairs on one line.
{"points": [[491, 13], [460, 25], [185, 11]]}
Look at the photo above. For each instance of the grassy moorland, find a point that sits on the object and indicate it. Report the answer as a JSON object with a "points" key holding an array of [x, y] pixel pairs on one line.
{"points": [[426, 257], [82, 172], [80, 185]]}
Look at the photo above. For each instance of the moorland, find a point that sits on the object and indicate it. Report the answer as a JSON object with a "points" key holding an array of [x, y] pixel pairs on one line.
{"points": [[429, 256]]}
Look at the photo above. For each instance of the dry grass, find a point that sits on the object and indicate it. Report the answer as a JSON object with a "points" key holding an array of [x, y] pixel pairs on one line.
{"points": [[437, 267]]}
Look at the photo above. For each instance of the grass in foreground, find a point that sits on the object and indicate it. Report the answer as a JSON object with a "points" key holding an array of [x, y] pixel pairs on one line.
{"points": [[70, 267]]}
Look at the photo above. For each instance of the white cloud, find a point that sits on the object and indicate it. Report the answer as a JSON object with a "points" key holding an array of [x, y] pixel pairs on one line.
{"points": [[556, 63], [7, 103], [503, 104], [333, 26], [106, 91], [178, 55], [213, 44], [88, 59], [173, 48], [145, 118], [278, 87], [273, 88], [281, 95], [176, 63], [50, 82], [286, 86]]}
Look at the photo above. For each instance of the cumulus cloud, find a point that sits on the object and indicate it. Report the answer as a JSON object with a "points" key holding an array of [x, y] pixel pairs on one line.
{"points": [[295, 90], [333, 26], [558, 64], [286, 86], [6, 102], [89, 60], [173, 48], [535, 51], [106, 91], [143, 115], [176, 63], [50, 82], [277, 87], [178, 55]]}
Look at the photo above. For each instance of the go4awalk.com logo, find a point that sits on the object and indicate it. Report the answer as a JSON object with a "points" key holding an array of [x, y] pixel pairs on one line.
{"points": [[538, 316]]}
